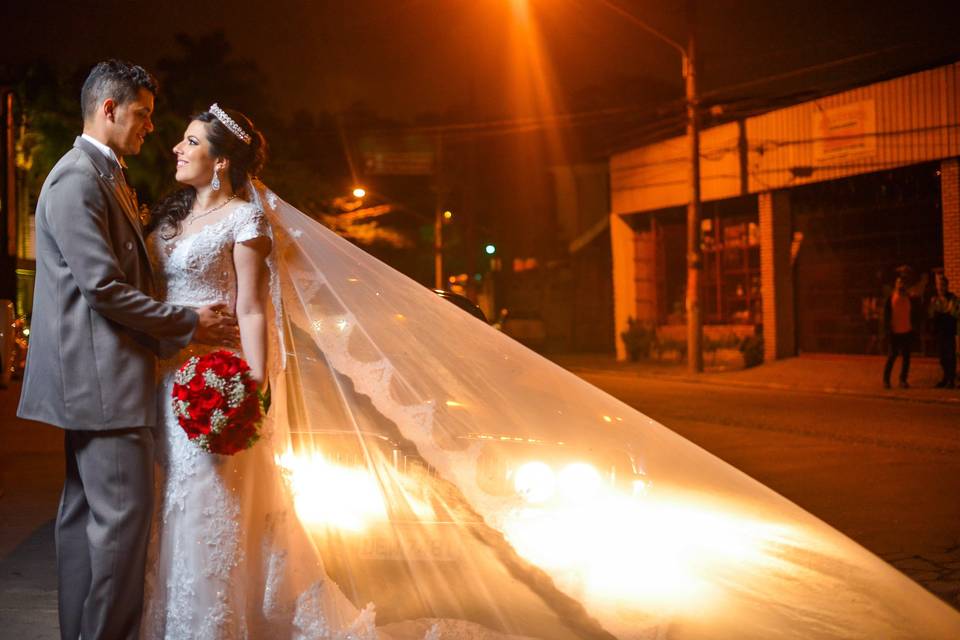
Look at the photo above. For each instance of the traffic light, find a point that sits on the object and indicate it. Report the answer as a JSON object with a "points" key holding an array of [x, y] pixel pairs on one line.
{"points": [[490, 249]]}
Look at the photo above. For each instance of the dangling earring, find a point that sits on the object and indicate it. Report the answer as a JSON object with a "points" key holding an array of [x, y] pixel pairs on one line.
{"points": [[215, 183]]}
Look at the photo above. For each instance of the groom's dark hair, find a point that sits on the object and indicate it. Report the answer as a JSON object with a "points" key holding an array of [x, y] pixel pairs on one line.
{"points": [[115, 79]]}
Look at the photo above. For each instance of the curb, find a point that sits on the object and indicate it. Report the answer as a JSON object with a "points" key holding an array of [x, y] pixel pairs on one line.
{"points": [[893, 395]]}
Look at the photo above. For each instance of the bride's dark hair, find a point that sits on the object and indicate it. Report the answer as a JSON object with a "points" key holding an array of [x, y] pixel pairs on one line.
{"points": [[246, 160]]}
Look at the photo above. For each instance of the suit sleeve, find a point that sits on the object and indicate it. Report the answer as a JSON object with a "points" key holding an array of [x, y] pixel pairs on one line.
{"points": [[76, 216]]}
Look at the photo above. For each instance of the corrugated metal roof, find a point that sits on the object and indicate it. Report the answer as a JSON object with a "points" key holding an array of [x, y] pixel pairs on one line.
{"points": [[889, 124]]}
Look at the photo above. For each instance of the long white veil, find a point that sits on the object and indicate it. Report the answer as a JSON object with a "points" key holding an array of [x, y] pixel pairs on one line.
{"points": [[449, 473]]}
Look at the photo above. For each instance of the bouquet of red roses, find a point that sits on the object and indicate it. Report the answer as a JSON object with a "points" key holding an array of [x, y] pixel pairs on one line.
{"points": [[217, 402]]}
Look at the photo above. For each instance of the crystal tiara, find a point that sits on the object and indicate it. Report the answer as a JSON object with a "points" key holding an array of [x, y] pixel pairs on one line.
{"points": [[229, 123]]}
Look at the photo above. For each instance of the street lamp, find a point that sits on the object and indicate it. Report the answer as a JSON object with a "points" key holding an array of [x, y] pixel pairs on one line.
{"points": [[359, 192], [694, 254]]}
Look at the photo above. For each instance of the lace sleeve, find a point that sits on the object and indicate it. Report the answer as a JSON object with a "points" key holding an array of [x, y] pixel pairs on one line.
{"points": [[251, 223]]}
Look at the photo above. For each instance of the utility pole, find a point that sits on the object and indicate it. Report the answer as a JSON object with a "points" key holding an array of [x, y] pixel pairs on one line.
{"points": [[438, 216], [694, 253]]}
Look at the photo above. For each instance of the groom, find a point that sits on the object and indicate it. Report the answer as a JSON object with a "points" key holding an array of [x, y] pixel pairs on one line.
{"points": [[96, 332]]}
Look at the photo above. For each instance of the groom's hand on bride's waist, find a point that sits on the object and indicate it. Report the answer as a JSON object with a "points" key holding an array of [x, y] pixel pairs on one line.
{"points": [[217, 326]]}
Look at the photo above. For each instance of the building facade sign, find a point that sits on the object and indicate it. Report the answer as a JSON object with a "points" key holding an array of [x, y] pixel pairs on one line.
{"points": [[402, 155], [846, 132]]}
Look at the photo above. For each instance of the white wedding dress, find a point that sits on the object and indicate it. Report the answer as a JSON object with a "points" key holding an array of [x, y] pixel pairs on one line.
{"points": [[674, 545], [228, 559]]}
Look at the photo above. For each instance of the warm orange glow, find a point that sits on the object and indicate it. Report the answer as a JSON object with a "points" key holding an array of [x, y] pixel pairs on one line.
{"points": [[362, 496], [357, 502], [657, 551], [533, 83]]}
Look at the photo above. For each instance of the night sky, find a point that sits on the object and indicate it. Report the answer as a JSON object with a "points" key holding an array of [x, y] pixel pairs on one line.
{"points": [[476, 61], [407, 57]]}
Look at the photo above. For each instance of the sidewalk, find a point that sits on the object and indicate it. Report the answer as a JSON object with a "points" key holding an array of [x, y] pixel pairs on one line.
{"points": [[31, 475], [812, 373]]}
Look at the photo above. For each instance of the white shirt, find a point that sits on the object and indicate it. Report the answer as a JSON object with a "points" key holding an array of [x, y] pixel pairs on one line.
{"points": [[104, 149]]}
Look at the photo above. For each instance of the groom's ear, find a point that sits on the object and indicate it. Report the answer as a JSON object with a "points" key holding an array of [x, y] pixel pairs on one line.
{"points": [[109, 109]]}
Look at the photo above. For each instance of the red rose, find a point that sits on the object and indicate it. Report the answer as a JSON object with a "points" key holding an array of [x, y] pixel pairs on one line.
{"points": [[211, 399], [194, 428], [234, 367], [203, 403], [220, 365], [247, 411]]}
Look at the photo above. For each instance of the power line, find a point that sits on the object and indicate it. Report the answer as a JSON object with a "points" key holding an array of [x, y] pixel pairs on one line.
{"points": [[742, 106], [804, 70]]}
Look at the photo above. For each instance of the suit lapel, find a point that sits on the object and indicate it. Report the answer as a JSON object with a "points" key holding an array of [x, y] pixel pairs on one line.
{"points": [[111, 174]]}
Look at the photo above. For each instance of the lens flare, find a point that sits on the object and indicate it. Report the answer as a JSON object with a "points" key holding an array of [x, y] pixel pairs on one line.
{"points": [[660, 552], [535, 482], [579, 481], [353, 505]]}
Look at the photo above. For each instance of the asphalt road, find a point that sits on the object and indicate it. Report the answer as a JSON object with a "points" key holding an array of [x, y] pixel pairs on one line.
{"points": [[884, 471]]}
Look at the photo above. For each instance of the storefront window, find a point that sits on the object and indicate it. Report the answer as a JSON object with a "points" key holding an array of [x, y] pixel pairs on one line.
{"points": [[731, 270]]}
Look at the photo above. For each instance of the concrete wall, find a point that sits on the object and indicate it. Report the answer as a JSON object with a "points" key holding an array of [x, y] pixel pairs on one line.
{"points": [[776, 276], [623, 249], [658, 175]]}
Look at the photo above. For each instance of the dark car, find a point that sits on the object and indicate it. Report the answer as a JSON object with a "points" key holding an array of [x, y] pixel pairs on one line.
{"points": [[463, 302]]}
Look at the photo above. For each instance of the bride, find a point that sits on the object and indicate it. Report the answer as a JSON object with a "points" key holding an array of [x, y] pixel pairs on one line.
{"points": [[226, 557], [423, 462]]}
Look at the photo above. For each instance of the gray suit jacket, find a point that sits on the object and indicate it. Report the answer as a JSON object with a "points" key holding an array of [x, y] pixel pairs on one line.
{"points": [[96, 331]]}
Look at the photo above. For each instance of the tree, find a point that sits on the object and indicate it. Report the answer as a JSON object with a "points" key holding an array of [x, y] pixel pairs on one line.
{"points": [[205, 72]]}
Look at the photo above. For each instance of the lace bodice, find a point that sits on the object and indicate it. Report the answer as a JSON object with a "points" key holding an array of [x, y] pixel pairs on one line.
{"points": [[197, 269]]}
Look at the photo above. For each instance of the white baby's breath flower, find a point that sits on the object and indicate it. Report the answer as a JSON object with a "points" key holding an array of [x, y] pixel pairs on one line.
{"points": [[235, 391], [187, 371], [214, 381], [217, 421], [181, 408]]}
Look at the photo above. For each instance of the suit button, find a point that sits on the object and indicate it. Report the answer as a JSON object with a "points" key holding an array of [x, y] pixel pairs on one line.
{"points": [[128, 246]]}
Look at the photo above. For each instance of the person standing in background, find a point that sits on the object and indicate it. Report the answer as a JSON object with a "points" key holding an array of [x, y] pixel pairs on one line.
{"points": [[900, 316], [944, 310]]}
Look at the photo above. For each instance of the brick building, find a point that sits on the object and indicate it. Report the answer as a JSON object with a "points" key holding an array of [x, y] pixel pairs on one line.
{"points": [[807, 212]]}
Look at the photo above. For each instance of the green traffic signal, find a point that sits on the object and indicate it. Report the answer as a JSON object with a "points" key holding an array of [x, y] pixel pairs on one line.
{"points": [[490, 249]]}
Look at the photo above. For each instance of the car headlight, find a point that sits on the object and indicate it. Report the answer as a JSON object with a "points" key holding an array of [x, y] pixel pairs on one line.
{"points": [[579, 481], [535, 482]]}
